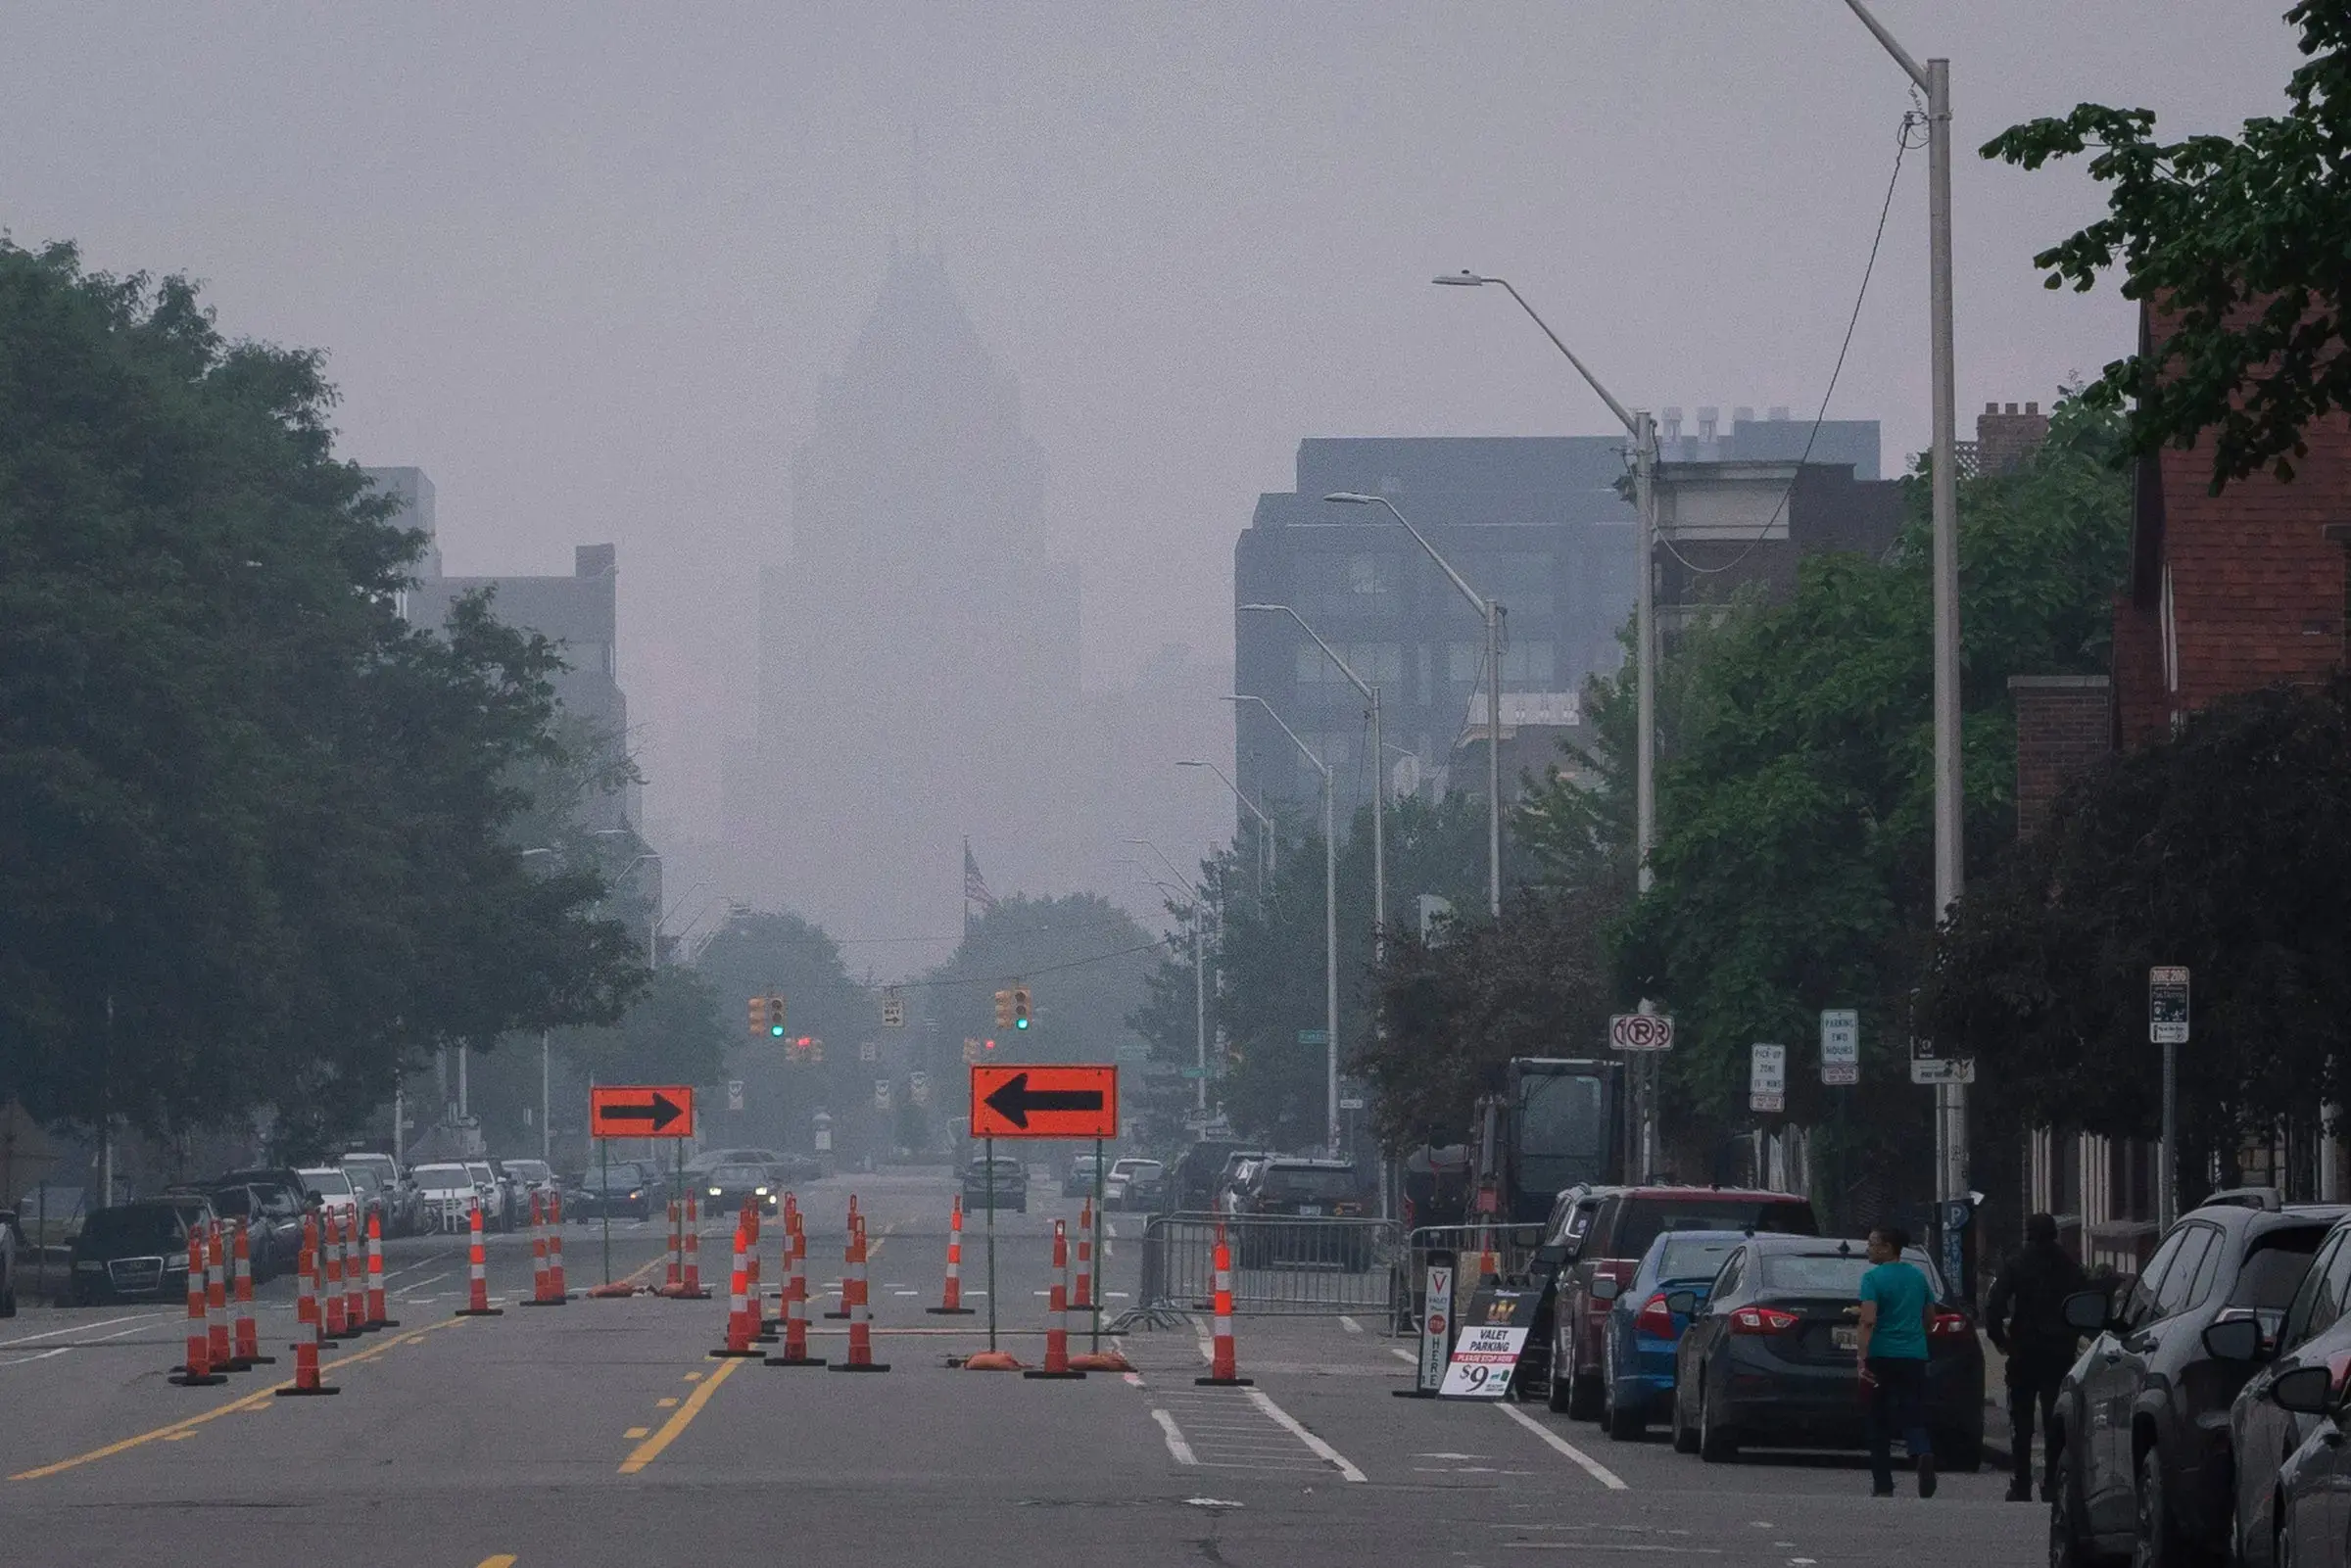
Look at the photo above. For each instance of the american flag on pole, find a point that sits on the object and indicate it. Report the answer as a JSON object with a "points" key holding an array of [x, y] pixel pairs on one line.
{"points": [[975, 885]]}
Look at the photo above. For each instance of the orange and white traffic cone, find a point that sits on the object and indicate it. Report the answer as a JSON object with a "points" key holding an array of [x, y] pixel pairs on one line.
{"points": [[1224, 1367], [853, 1298], [554, 1246], [377, 1318], [677, 1250], [795, 1295], [1057, 1312], [331, 1243], [197, 1371], [951, 1299], [742, 1323], [215, 1298], [856, 1222], [245, 1348], [477, 1276], [691, 1287], [538, 1253], [355, 1275], [305, 1320], [1487, 1264], [1084, 1300]]}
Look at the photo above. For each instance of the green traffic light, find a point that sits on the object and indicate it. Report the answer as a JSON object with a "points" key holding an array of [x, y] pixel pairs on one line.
{"points": [[776, 1030], [1020, 1023]]}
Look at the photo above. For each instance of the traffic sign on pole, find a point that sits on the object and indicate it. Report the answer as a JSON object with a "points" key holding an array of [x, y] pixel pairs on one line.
{"points": [[1640, 1031], [1044, 1102], [1840, 1046], [2167, 1005], [1767, 1079], [894, 1011], [641, 1110]]}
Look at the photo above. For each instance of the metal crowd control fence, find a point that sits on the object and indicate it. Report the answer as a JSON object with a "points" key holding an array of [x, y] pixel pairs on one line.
{"points": [[1462, 1245], [1282, 1265]]}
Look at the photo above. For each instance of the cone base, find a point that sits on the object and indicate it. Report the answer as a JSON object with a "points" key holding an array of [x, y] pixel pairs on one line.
{"points": [[551, 1300], [795, 1360], [683, 1294], [258, 1360], [836, 1317], [1224, 1382], [1413, 1393], [190, 1380], [479, 1311], [609, 1293], [951, 1312], [295, 1394], [992, 1362], [736, 1355], [1058, 1377], [377, 1324], [860, 1367]]}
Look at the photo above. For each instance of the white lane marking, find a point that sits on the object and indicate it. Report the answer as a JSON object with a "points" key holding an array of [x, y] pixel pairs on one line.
{"points": [[80, 1328], [1290, 1424], [1350, 1324], [37, 1356], [1403, 1354], [420, 1284], [905, 1293], [1591, 1467], [1607, 1546], [1114, 1295], [1176, 1446], [1135, 1380]]}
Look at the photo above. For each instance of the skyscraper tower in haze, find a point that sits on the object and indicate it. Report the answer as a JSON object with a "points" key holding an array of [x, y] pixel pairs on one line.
{"points": [[918, 653]]}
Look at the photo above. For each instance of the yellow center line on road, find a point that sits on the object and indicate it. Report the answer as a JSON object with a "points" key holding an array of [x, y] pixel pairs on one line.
{"points": [[649, 1450], [504, 1559], [259, 1399]]}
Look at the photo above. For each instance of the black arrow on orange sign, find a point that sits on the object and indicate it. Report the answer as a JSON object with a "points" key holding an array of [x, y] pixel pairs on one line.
{"points": [[661, 1113], [1014, 1100]]}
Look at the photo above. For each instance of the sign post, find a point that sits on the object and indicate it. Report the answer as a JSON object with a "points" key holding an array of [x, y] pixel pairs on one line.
{"points": [[1030, 1100], [1436, 1335], [633, 1111], [2167, 1026], [1767, 1079], [1841, 1069]]}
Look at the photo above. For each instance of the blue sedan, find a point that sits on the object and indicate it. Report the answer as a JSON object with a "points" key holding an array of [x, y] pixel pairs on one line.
{"points": [[1637, 1357]]}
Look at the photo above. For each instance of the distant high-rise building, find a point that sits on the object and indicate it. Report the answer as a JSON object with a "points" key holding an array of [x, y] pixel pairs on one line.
{"points": [[918, 653]]}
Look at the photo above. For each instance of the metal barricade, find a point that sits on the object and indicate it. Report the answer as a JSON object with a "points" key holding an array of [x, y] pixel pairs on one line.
{"points": [[1514, 1250], [1281, 1265]]}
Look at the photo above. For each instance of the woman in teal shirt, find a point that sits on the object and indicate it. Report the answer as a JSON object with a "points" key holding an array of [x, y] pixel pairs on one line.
{"points": [[1895, 1306]]}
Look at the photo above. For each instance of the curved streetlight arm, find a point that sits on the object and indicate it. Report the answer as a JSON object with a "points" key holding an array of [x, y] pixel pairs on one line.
{"points": [[1304, 750], [1473, 280], [1173, 870], [1478, 601], [1264, 820], [1359, 683], [1902, 57]]}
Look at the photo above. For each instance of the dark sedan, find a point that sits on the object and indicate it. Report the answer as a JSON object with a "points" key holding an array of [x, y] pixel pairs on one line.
{"points": [[1002, 1180], [726, 1187], [136, 1252], [2264, 1433], [2313, 1528], [620, 1189], [1768, 1359]]}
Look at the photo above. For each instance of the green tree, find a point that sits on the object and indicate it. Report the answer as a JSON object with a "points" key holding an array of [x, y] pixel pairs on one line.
{"points": [[254, 847], [2226, 848], [2238, 242], [758, 953]]}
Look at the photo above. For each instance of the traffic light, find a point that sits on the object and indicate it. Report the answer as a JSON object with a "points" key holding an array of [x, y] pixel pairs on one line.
{"points": [[971, 1049], [775, 1018], [988, 1044], [1020, 1007], [758, 1015], [816, 1050], [1003, 1010]]}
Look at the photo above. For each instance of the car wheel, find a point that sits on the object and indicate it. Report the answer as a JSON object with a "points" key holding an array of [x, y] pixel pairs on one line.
{"points": [[1623, 1425], [8, 1301], [1684, 1436], [1558, 1386], [2156, 1542], [1583, 1389], [2069, 1536], [1717, 1443]]}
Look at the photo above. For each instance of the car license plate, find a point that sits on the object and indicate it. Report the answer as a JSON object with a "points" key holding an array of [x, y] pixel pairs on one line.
{"points": [[1309, 1211], [1847, 1339]]}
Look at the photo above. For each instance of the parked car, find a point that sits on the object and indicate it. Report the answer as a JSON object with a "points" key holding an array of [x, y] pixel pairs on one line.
{"points": [[447, 1195], [332, 1189], [532, 1178], [2143, 1458], [402, 1206], [497, 1213], [1199, 1174], [726, 1187], [1769, 1359], [2264, 1433], [134, 1252], [1080, 1179], [8, 1262], [1137, 1184], [1623, 1224], [1560, 1243], [1301, 1190], [272, 1225], [1646, 1318], [1007, 1184], [283, 1179], [2313, 1528], [620, 1188]]}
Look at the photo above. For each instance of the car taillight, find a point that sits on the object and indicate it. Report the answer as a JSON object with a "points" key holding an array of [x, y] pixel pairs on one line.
{"points": [[1762, 1321], [1653, 1319], [1949, 1324]]}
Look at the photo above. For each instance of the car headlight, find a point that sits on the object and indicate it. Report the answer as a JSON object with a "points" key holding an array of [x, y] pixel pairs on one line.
{"points": [[714, 1192], [638, 1194], [762, 1192]]}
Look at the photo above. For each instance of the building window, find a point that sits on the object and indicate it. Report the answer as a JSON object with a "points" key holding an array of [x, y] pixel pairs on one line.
{"points": [[1529, 664]]}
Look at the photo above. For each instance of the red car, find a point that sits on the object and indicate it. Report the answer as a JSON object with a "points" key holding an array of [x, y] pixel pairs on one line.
{"points": [[1627, 1220]]}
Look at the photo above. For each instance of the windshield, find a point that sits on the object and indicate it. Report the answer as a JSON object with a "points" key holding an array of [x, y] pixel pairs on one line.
{"points": [[144, 1227], [740, 1177], [1684, 1260], [442, 1178], [1836, 1274], [327, 1183], [2272, 1271], [233, 1202], [1648, 1218], [1563, 1131], [1309, 1184], [377, 1166], [620, 1179]]}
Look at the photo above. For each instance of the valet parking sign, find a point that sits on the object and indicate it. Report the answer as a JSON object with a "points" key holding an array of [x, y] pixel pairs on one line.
{"points": [[1486, 1354]]}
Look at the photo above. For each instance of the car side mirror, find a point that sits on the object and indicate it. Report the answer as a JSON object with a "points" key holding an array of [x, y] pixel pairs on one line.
{"points": [[1605, 1289], [2236, 1339], [1682, 1304], [2305, 1391], [2087, 1312]]}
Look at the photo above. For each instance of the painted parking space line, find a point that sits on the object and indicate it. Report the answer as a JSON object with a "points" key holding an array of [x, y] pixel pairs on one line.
{"points": [[1291, 1424], [1177, 1448], [1584, 1461], [81, 1328]]}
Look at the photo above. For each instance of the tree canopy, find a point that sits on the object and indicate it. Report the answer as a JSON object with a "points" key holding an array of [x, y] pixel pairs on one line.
{"points": [[255, 846], [2240, 242]]}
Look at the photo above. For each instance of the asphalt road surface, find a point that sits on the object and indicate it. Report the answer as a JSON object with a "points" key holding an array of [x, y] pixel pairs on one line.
{"points": [[601, 1433]]}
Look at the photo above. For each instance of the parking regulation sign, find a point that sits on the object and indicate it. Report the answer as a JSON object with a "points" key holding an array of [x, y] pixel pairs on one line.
{"points": [[1640, 1031], [1840, 1046], [2166, 1004], [1767, 1079]]}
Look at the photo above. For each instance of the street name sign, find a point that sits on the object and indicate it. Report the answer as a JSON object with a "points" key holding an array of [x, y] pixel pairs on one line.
{"points": [[1044, 1102], [641, 1110], [1840, 1046], [1640, 1031], [2167, 1005], [1767, 1077], [1487, 1350]]}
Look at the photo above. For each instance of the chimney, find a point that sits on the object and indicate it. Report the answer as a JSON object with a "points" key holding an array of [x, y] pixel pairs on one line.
{"points": [[1742, 415], [1707, 418], [1671, 419], [1778, 414], [2004, 439]]}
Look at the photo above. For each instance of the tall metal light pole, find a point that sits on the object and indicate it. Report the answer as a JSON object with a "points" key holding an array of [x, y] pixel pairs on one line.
{"points": [[1199, 913], [1934, 78], [1492, 612], [1644, 430], [1265, 824], [1379, 774], [1331, 930]]}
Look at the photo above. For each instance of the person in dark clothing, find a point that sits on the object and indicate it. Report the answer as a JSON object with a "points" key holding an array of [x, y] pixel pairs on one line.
{"points": [[2025, 1320]]}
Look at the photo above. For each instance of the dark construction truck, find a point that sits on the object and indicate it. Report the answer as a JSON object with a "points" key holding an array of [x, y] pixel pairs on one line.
{"points": [[1558, 1122]]}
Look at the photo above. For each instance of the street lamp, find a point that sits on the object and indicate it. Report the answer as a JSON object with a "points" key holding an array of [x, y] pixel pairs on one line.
{"points": [[1199, 916], [1379, 774], [1331, 929], [1644, 431], [1265, 824], [1492, 612], [1934, 78]]}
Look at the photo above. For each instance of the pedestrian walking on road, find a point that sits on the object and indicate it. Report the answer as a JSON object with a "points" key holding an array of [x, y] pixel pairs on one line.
{"points": [[1896, 1304], [2025, 1322]]}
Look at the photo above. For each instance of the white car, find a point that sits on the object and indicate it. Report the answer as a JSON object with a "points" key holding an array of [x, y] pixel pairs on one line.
{"points": [[333, 1189], [495, 1215], [449, 1195]]}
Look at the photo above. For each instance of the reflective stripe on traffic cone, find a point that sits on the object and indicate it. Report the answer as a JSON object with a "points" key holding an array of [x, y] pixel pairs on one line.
{"points": [[554, 1246], [742, 1323], [1224, 1366], [1057, 1312], [853, 1298], [951, 1299], [355, 1275], [215, 1298], [795, 1295], [544, 1291], [331, 1246], [197, 1370], [691, 1287], [677, 1248], [376, 1317], [246, 1347], [1084, 1300], [305, 1320], [842, 1313], [477, 1276]]}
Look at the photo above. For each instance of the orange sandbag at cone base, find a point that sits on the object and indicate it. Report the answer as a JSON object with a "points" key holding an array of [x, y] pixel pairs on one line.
{"points": [[992, 1361], [1100, 1361]]}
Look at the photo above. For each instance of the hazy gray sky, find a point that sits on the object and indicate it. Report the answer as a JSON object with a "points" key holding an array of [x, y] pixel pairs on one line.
{"points": [[589, 264]]}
